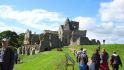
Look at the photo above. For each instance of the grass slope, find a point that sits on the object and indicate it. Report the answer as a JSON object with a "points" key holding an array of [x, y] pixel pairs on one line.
{"points": [[49, 60], [54, 60]]}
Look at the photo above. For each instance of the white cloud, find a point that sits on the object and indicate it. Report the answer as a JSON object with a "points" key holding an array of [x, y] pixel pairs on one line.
{"points": [[112, 15], [85, 22], [4, 27], [112, 11], [32, 18], [111, 26], [104, 31], [119, 30]]}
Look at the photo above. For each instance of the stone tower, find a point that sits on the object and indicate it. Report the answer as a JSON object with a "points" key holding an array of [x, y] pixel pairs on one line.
{"points": [[27, 37], [71, 25], [69, 31]]}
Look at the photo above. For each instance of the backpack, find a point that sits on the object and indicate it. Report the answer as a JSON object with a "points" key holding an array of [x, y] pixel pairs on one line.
{"points": [[82, 56], [85, 58], [116, 60], [79, 55], [96, 58]]}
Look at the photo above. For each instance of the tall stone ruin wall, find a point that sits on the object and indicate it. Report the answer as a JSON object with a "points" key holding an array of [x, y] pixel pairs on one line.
{"points": [[66, 37], [50, 41], [84, 41], [35, 39]]}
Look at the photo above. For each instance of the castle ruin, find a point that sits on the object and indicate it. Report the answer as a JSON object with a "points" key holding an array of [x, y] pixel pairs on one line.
{"points": [[70, 34], [67, 34]]}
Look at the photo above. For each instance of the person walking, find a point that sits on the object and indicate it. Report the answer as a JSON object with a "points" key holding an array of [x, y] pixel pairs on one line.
{"points": [[115, 61], [78, 54], [82, 59], [104, 60], [7, 60], [86, 59], [96, 59]]}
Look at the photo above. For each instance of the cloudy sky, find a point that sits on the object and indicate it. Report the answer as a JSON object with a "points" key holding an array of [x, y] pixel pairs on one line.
{"points": [[104, 19]]}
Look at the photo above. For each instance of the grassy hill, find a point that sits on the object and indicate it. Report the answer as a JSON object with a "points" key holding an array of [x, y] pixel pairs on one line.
{"points": [[48, 60], [55, 60]]}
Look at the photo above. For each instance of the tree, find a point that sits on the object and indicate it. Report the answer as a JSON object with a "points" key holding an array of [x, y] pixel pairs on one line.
{"points": [[21, 39], [12, 36]]}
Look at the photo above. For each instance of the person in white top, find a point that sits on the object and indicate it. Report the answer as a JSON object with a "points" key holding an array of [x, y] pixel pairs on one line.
{"points": [[82, 59], [78, 54], [115, 61]]}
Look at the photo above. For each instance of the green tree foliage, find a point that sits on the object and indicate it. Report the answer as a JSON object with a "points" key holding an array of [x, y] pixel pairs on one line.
{"points": [[12, 36], [21, 39]]}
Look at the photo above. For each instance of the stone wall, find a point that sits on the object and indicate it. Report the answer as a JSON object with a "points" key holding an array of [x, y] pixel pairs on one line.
{"points": [[78, 34], [50, 41], [93, 41], [84, 41], [31, 39], [28, 49], [74, 26], [80, 41], [49, 31], [35, 39], [66, 37]]}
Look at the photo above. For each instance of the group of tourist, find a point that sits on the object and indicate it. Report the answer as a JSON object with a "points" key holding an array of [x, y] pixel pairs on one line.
{"points": [[99, 60]]}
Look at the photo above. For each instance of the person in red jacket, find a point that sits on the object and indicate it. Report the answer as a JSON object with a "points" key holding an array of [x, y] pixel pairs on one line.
{"points": [[7, 56], [104, 60]]}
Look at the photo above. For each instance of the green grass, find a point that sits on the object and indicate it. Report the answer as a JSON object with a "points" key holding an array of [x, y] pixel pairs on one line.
{"points": [[49, 60], [55, 60]]}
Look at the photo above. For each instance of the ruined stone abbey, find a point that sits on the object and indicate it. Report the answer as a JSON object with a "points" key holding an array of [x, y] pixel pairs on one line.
{"points": [[67, 34]]}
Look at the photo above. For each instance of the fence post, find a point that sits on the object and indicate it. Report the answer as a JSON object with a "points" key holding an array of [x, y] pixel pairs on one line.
{"points": [[70, 59]]}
